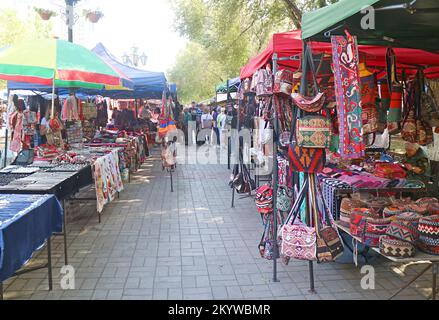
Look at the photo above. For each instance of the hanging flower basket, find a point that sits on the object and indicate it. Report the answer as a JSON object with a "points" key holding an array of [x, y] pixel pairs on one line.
{"points": [[93, 16], [45, 14]]}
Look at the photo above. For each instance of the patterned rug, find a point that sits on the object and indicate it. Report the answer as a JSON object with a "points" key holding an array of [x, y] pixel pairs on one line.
{"points": [[348, 93]]}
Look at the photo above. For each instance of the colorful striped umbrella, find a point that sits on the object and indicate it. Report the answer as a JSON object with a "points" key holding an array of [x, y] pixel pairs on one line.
{"points": [[58, 63]]}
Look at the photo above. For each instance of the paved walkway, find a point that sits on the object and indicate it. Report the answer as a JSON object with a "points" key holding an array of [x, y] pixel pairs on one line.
{"points": [[154, 244]]}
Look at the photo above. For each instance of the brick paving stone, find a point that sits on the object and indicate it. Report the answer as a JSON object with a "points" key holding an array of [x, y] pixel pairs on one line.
{"points": [[152, 244]]}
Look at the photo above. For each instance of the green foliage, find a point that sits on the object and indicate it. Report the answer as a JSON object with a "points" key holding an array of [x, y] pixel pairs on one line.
{"points": [[13, 29], [230, 32], [194, 74]]}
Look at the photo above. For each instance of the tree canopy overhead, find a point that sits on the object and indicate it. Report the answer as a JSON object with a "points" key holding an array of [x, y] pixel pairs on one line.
{"points": [[229, 32]]}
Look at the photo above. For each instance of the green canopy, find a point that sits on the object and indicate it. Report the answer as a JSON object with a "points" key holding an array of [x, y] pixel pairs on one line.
{"points": [[398, 23]]}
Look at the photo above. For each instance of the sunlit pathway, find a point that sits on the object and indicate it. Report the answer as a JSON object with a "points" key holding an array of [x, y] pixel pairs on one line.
{"points": [[154, 244]]}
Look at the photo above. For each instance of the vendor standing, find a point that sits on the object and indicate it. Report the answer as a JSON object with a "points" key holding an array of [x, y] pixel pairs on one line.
{"points": [[417, 163]]}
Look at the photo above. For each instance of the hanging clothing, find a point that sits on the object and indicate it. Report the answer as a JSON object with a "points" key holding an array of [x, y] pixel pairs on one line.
{"points": [[70, 111], [16, 124], [348, 93]]}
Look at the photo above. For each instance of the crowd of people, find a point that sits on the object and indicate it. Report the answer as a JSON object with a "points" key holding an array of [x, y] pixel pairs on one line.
{"points": [[211, 121]]}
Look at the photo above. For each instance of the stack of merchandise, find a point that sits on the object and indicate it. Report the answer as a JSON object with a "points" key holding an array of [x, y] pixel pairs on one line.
{"points": [[74, 134], [396, 226], [47, 151]]}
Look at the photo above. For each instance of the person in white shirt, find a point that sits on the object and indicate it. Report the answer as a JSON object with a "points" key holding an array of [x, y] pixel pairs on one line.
{"points": [[206, 123], [221, 124]]}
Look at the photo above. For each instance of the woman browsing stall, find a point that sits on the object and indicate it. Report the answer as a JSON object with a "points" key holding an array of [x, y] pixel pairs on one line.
{"points": [[416, 162]]}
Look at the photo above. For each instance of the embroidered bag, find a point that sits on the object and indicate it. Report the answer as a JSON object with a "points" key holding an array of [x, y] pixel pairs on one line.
{"points": [[314, 132], [264, 86], [284, 199], [308, 160], [310, 104], [298, 240], [283, 82], [264, 199], [329, 244]]}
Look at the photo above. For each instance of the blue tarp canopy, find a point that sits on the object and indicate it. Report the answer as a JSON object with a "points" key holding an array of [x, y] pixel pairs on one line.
{"points": [[147, 84]]}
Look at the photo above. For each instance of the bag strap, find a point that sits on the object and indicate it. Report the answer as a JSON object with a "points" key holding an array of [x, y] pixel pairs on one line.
{"points": [[312, 69], [297, 204]]}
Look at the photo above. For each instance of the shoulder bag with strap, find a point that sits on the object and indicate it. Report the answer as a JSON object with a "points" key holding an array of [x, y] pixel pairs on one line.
{"points": [[310, 104]]}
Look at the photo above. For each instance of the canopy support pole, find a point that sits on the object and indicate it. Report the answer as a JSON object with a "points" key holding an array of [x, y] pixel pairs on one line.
{"points": [[53, 97], [275, 179], [304, 92]]}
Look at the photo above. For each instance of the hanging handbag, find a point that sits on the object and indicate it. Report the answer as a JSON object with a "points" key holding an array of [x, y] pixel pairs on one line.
{"points": [[264, 85], [307, 160], [314, 132], [283, 82], [310, 104], [408, 131], [298, 241], [284, 199], [329, 244], [264, 199]]}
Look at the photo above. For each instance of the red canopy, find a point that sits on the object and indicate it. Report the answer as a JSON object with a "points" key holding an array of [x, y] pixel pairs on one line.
{"points": [[290, 44], [285, 44]]}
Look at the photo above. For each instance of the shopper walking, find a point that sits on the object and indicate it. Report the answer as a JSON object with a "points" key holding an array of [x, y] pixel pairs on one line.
{"points": [[206, 124], [215, 130]]}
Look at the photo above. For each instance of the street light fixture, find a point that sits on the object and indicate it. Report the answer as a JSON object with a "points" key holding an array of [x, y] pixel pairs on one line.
{"points": [[134, 58], [71, 17]]}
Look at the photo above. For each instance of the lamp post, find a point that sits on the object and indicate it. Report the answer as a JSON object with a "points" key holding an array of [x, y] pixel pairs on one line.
{"points": [[134, 59], [71, 17]]}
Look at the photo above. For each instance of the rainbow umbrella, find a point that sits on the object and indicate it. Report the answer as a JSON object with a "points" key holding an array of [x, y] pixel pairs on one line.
{"points": [[57, 63]]}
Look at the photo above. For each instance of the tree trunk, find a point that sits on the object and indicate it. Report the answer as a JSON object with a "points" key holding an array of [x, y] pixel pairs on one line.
{"points": [[294, 12]]}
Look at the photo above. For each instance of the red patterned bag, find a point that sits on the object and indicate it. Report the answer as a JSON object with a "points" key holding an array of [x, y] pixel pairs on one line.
{"points": [[309, 160]]}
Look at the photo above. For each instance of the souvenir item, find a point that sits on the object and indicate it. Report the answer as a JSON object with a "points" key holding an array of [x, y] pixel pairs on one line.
{"points": [[428, 228], [283, 82], [108, 181], [264, 86], [309, 160], [395, 248], [264, 199], [329, 245], [395, 110], [314, 132], [374, 229], [348, 93], [315, 103], [284, 199], [299, 242]]}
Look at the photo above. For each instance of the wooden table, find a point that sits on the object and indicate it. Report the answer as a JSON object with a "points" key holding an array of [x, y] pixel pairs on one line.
{"points": [[419, 258]]}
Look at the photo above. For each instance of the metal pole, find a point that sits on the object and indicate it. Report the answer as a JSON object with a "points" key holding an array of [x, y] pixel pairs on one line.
{"points": [[275, 180], [70, 18], [304, 91], [435, 271], [49, 263], [66, 255], [6, 148]]}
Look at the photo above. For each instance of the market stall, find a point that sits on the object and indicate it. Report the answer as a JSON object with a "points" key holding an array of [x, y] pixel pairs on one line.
{"points": [[327, 105], [21, 216]]}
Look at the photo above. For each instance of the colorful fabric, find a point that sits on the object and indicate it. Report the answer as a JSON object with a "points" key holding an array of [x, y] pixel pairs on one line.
{"points": [[108, 180], [348, 93], [41, 61]]}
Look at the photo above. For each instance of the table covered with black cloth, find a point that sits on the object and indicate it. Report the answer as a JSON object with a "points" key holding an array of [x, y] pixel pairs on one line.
{"points": [[61, 184], [26, 222]]}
